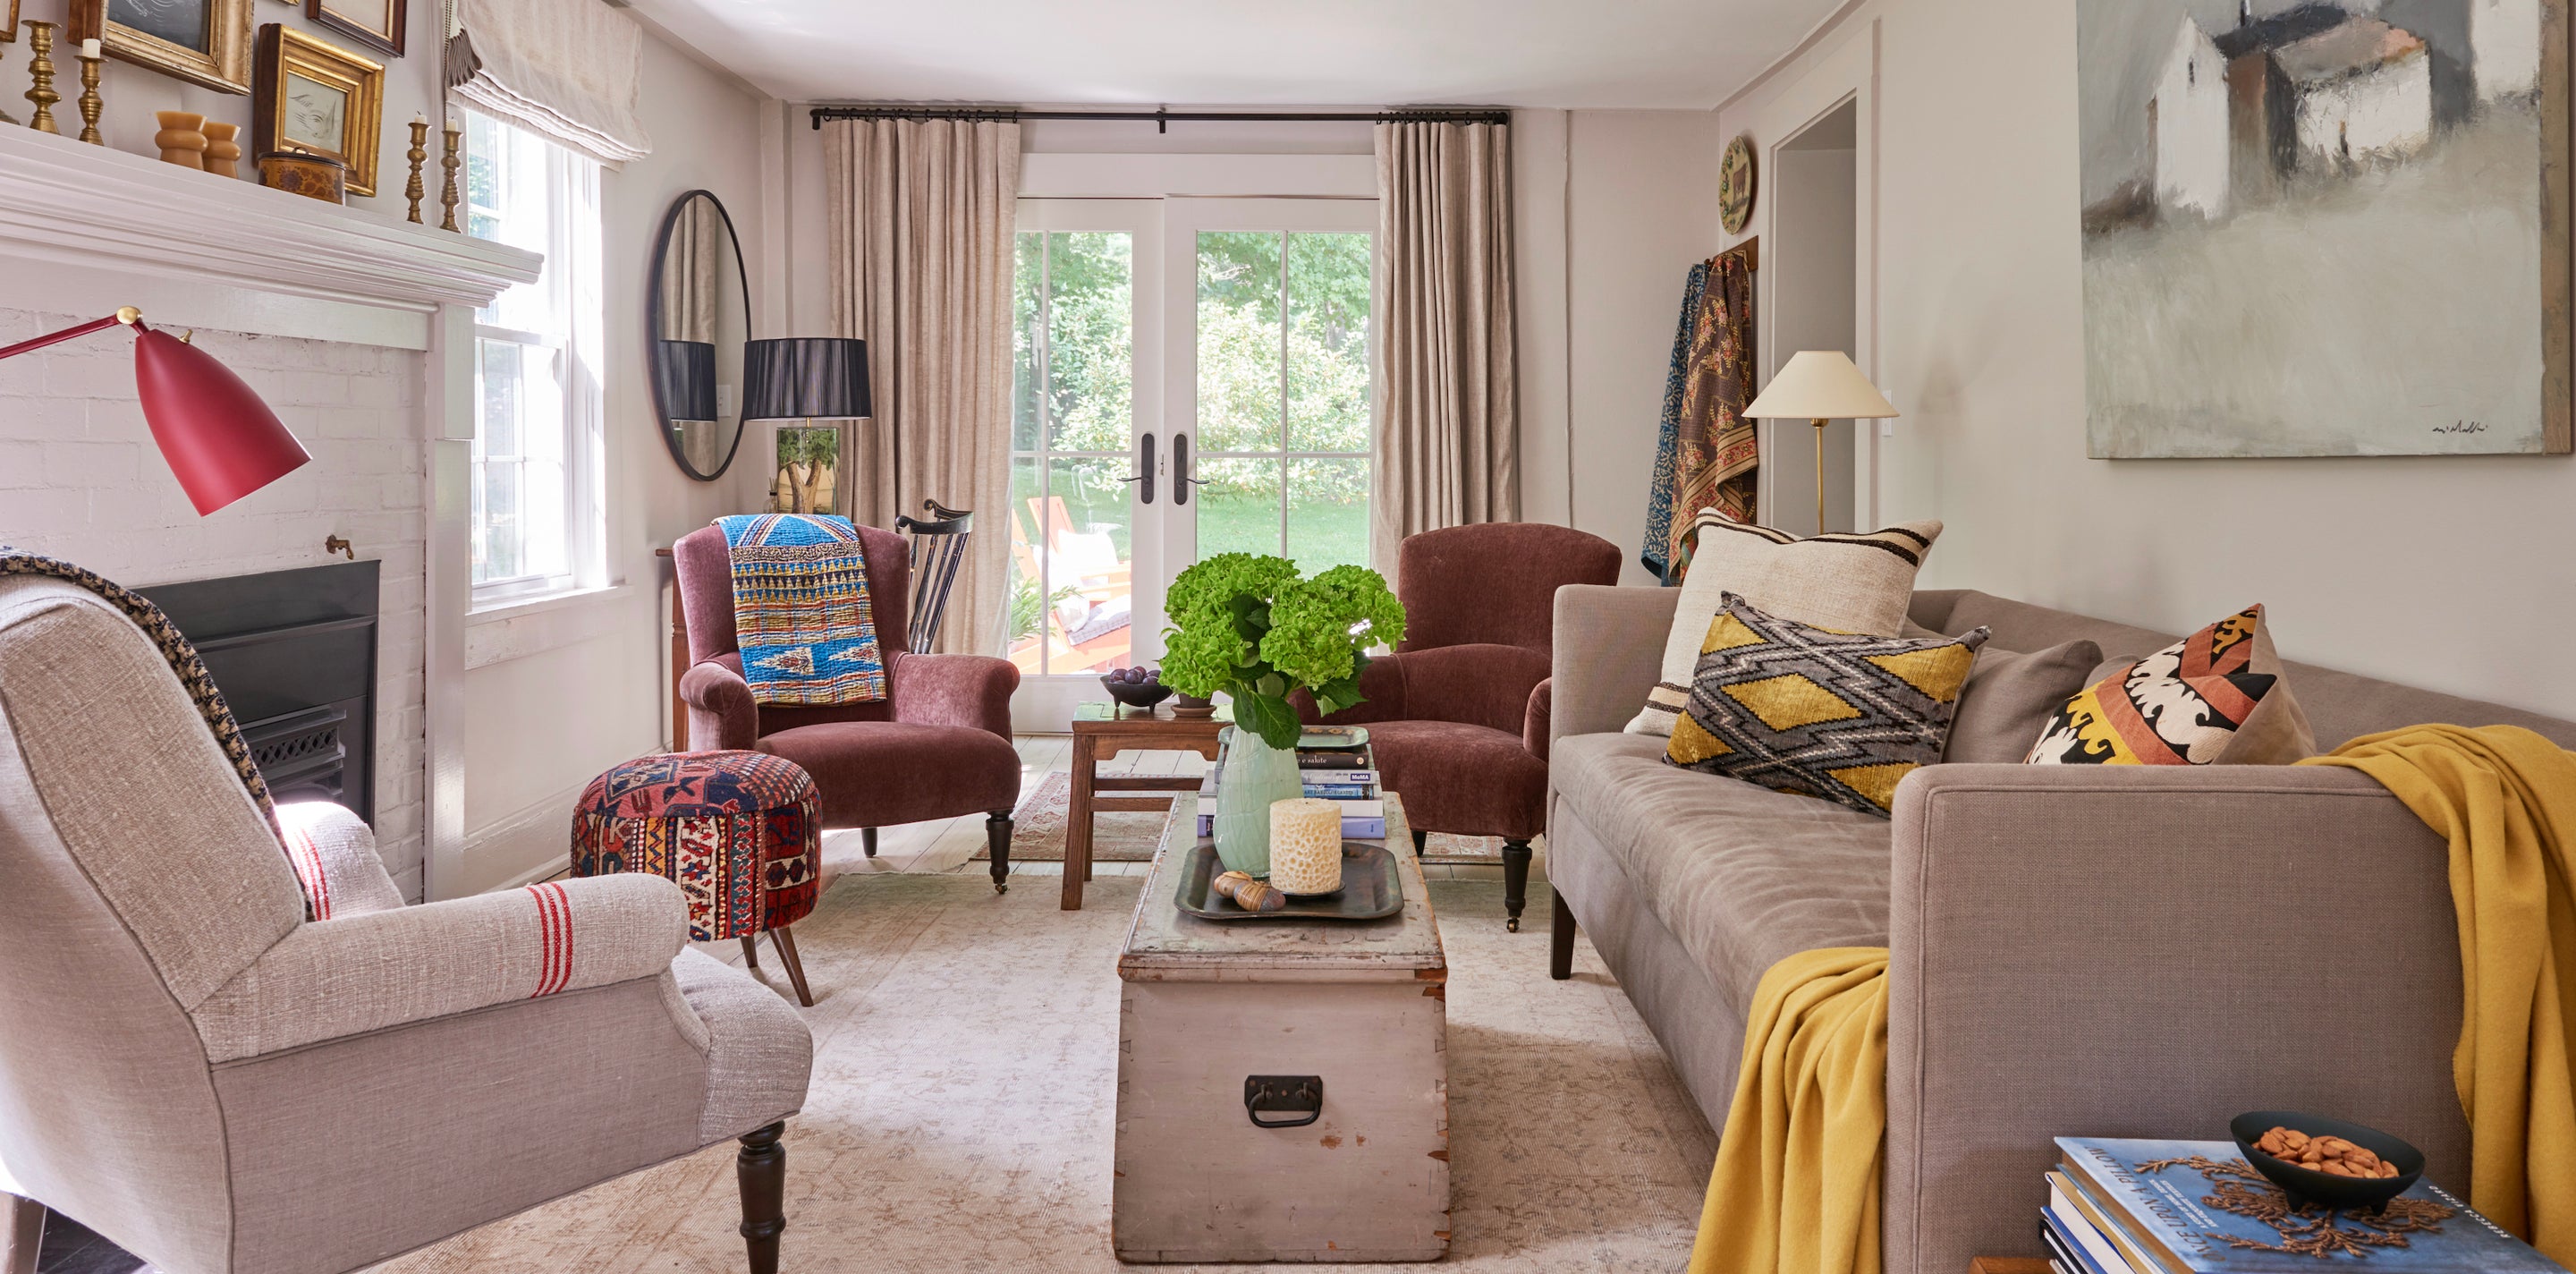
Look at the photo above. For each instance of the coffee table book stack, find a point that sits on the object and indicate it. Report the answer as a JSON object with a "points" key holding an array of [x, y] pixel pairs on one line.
{"points": [[2122, 1206], [1283, 1085], [1333, 764]]}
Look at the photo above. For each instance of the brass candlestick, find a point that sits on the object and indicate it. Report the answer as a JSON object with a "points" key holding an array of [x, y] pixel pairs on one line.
{"points": [[418, 152], [40, 76], [89, 103], [447, 195]]}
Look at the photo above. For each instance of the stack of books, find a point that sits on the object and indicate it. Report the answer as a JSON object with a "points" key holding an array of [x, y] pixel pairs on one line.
{"points": [[2118, 1206], [1343, 774]]}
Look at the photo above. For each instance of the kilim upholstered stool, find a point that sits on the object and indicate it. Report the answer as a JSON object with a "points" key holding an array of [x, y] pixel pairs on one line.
{"points": [[739, 832]]}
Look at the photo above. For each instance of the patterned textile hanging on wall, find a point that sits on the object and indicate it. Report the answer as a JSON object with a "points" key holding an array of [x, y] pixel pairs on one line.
{"points": [[1716, 449], [1655, 555]]}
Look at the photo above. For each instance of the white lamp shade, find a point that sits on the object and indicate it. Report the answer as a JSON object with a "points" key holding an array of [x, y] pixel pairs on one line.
{"points": [[1820, 384]]}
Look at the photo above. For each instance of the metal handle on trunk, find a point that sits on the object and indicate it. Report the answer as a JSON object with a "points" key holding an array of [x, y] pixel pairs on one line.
{"points": [[1298, 1094]]}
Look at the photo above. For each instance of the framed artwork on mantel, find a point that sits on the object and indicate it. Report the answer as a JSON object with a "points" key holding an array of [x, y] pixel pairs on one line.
{"points": [[322, 100], [201, 41], [378, 24], [8, 21]]}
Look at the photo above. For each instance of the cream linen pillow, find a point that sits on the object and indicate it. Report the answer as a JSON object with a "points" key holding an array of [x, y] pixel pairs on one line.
{"points": [[1848, 583]]}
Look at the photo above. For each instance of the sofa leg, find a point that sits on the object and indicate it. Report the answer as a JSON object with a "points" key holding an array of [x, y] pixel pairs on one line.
{"points": [[868, 841], [1560, 937], [997, 840], [786, 944], [751, 952], [22, 1232], [761, 1171], [1420, 839], [1516, 865]]}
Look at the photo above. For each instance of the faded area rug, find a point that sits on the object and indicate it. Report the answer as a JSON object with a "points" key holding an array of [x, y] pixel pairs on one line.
{"points": [[963, 1107], [1120, 837]]}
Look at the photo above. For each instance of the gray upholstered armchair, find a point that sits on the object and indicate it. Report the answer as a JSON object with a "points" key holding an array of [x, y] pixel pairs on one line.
{"points": [[217, 1084]]}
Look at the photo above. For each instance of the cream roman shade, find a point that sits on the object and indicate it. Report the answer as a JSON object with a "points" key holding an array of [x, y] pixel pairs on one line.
{"points": [[571, 71]]}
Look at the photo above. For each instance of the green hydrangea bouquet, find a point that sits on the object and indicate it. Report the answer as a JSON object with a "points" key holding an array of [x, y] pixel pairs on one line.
{"points": [[1251, 627]]}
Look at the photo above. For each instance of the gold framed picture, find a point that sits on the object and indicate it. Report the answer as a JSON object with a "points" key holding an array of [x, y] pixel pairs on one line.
{"points": [[310, 96], [8, 21], [201, 41], [378, 24]]}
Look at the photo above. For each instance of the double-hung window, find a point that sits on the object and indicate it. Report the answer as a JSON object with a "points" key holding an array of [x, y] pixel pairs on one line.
{"points": [[537, 517]]}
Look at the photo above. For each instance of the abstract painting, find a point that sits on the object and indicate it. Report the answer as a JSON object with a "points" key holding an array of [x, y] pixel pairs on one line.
{"points": [[2324, 227]]}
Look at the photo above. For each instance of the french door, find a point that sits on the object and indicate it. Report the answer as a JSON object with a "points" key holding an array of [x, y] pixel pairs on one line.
{"points": [[1193, 378]]}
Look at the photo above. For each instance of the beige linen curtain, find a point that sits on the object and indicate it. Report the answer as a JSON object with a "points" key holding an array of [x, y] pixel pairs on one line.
{"points": [[1448, 428], [921, 222]]}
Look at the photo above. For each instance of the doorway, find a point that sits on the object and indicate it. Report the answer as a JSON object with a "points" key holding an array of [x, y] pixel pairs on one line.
{"points": [[1193, 376], [1813, 267]]}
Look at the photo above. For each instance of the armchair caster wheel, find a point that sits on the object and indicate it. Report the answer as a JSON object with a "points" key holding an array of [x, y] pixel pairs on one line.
{"points": [[1002, 888], [1512, 925]]}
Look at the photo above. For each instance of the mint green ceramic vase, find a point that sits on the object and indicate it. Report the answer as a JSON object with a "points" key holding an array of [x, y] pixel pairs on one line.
{"points": [[1255, 775]]}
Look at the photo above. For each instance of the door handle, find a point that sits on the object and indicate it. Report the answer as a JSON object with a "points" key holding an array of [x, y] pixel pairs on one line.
{"points": [[1145, 467], [1181, 479]]}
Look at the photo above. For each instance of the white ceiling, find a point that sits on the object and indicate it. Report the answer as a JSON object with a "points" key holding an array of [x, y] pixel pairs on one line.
{"points": [[1646, 54]]}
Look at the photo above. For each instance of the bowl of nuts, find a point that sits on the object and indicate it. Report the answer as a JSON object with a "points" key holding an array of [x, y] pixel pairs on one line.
{"points": [[2326, 1161]]}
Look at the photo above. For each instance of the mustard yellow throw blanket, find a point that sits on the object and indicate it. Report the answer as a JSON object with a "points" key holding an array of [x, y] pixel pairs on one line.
{"points": [[2506, 799], [1796, 1186], [1796, 1189]]}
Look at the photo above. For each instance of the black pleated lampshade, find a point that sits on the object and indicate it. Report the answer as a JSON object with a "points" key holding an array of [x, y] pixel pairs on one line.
{"points": [[806, 378]]}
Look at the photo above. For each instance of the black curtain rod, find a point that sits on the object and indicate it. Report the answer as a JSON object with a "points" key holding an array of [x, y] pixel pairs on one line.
{"points": [[1163, 120]]}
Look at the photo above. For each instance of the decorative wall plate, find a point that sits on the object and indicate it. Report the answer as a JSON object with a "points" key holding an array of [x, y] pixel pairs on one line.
{"points": [[1735, 185]]}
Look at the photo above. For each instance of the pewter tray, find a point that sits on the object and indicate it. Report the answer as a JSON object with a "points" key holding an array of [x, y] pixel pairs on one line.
{"points": [[1372, 889]]}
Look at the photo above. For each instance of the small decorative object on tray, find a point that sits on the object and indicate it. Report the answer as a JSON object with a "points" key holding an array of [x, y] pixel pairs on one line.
{"points": [[2197, 1207], [1247, 893], [1372, 889], [1136, 687], [312, 176], [1306, 847]]}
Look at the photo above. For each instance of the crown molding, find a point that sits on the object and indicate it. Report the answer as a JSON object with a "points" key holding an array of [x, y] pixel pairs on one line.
{"points": [[89, 208]]}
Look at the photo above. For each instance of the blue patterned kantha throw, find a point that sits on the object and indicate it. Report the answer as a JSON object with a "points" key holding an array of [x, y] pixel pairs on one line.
{"points": [[800, 610]]}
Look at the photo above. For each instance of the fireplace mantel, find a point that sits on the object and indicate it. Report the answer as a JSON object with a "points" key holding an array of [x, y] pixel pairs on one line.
{"points": [[85, 229]]}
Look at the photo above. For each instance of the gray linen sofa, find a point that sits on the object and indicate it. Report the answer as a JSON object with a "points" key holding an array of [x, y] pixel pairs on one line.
{"points": [[2104, 951]]}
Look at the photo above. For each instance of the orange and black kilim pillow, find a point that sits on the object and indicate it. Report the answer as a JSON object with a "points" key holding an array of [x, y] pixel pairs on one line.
{"points": [[1839, 716], [2215, 693]]}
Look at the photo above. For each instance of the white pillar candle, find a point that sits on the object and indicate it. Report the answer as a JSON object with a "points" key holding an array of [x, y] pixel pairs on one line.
{"points": [[1306, 846], [90, 49]]}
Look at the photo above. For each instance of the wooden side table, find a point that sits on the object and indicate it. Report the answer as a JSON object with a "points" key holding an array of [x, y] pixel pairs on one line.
{"points": [[1101, 731]]}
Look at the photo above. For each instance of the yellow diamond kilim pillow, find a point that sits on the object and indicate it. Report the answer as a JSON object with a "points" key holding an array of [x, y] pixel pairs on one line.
{"points": [[1838, 716]]}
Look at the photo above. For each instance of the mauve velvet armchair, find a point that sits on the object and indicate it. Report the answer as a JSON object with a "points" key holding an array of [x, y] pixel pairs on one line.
{"points": [[938, 745], [1457, 716]]}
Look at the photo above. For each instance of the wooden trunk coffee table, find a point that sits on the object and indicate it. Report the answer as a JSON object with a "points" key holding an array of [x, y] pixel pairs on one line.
{"points": [[1101, 731], [1346, 1025]]}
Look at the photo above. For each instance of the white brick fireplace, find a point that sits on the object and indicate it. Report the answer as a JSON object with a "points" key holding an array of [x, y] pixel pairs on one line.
{"points": [[357, 331]]}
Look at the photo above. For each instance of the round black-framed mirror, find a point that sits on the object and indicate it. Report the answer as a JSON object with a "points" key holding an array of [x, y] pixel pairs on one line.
{"points": [[697, 318]]}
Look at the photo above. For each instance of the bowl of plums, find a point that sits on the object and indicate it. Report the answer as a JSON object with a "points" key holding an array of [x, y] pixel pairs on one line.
{"points": [[1136, 687], [2326, 1161]]}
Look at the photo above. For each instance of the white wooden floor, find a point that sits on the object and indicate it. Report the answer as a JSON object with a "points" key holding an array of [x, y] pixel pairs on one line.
{"points": [[947, 845]]}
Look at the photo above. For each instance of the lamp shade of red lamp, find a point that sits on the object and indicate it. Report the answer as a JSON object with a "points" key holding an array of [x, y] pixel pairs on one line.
{"points": [[220, 440]]}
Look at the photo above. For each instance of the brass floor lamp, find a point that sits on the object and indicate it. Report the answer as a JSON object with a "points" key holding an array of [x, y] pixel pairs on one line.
{"points": [[1820, 386]]}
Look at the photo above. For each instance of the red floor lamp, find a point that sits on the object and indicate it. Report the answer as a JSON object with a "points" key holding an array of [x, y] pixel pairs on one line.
{"points": [[220, 440]]}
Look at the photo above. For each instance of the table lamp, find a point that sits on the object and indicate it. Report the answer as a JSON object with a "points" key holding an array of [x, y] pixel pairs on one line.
{"points": [[806, 378], [1820, 385], [218, 438]]}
